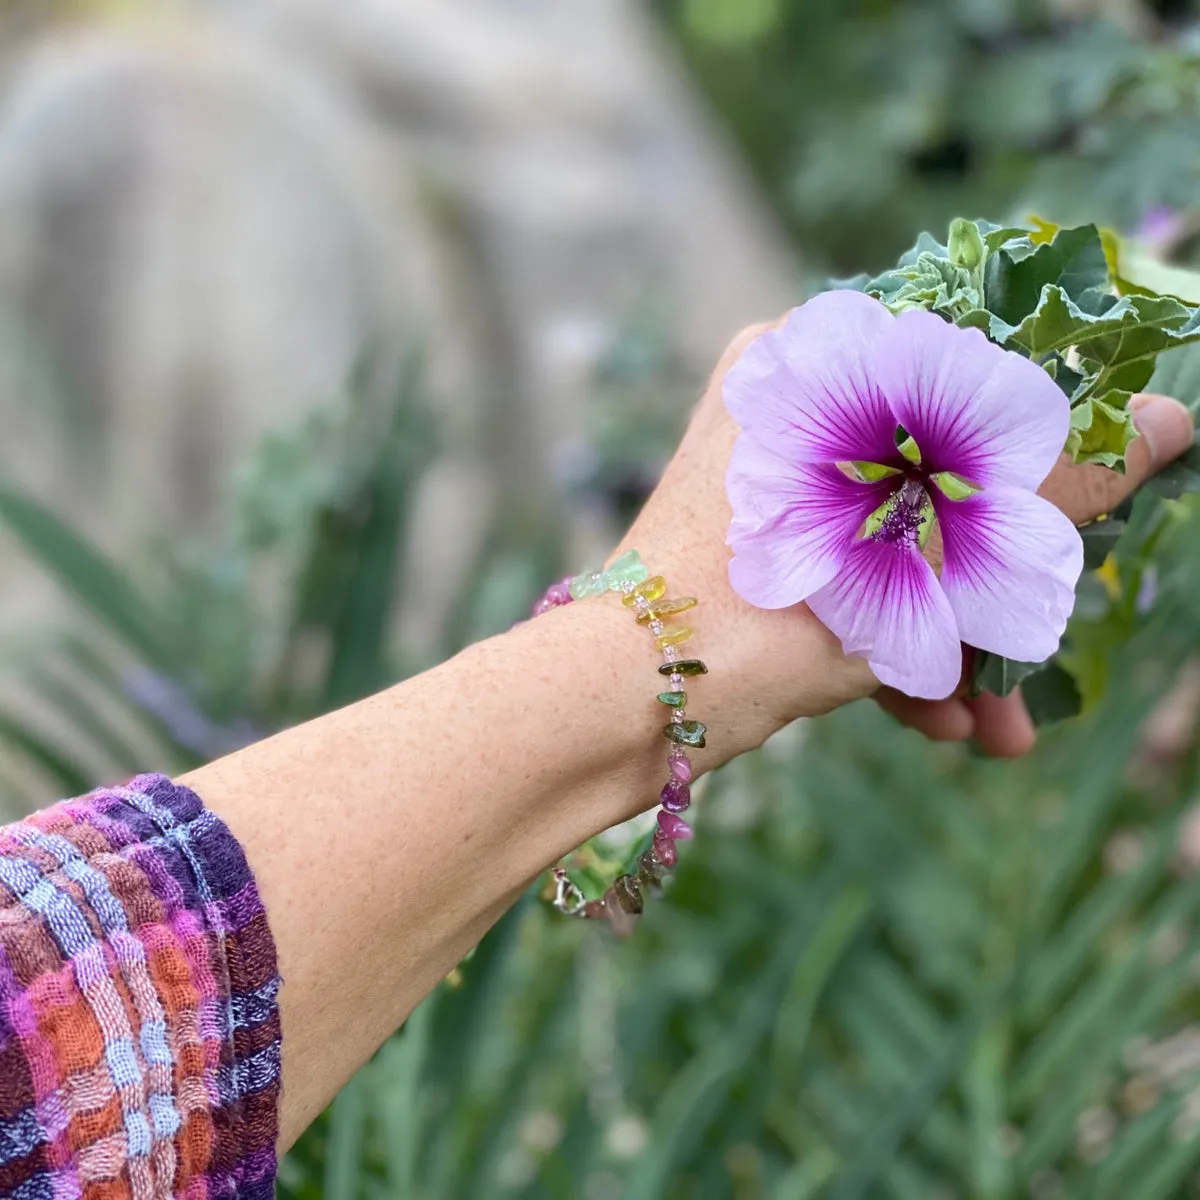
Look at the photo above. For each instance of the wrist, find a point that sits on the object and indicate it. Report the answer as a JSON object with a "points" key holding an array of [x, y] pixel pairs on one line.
{"points": [[602, 716], [767, 667]]}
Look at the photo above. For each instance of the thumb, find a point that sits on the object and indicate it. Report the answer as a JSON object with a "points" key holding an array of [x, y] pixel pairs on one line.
{"points": [[1165, 430], [1085, 492]]}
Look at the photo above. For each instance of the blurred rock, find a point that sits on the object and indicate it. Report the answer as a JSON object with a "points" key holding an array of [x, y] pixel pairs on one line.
{"points": [[205, 216]]}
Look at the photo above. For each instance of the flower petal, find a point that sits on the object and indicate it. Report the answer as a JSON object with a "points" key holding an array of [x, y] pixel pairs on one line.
{"points": [[886, 605], [1011, 562], [793, 523], [987, 414], [808, 389]]}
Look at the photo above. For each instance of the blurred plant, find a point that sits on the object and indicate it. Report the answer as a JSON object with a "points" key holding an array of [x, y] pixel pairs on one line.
{"points": [[637, 406], [199, 650], [867, 120]]}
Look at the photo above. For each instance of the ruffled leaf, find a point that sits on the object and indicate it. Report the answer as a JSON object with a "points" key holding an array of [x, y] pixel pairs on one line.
{"points": [[1121, 331], [932, 283], [1020, 270], [1101, 431]]}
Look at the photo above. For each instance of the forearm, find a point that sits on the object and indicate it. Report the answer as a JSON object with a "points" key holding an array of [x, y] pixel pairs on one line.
{"points": [[386, 838]]}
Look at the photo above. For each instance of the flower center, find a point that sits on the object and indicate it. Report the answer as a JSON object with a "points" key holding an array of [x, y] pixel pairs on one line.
{"points": [[905, 518]]}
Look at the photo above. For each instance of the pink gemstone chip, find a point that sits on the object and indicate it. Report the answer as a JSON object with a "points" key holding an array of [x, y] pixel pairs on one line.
{"points": [[673, 826], [680, 767], [675, 796], [665, 849]]}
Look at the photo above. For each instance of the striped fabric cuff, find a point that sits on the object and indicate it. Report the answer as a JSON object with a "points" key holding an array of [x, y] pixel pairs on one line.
{"points": [[139, 1027]]}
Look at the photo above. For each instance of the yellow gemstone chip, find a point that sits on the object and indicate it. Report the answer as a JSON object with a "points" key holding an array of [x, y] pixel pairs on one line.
{"points": [[667, 608], [649, 589], [675, 637]]}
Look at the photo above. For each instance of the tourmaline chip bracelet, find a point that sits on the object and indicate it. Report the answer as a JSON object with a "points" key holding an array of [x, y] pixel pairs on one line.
{"points": [[646, 595]]}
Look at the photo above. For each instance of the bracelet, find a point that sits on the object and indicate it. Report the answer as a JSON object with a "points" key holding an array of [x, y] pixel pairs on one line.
{"points": [[623, 900]]}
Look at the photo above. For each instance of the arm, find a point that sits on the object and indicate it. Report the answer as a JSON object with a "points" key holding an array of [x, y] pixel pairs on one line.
{"points": [[388, 837]]}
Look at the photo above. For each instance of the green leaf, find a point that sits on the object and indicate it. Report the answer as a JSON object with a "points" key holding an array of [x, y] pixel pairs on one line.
{"points": [[85, 573], [1148, 274], [975, 318], [343, 1155], [1100, 540], [1051, 695], [926, 244], [69, 699], [995, 236], [931, 283], [1073, 261], [1126, 330], [1100, 432], [697, 1091], [998, 675], [358, 663], [870, 472], [953, 486], [1177, 373]]}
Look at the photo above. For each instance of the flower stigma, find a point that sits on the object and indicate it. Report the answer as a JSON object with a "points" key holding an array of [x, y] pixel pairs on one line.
{"points": [[906, 517]]}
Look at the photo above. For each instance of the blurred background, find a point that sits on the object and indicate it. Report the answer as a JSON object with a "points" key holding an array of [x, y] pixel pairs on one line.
{"points": [[331, 333]]}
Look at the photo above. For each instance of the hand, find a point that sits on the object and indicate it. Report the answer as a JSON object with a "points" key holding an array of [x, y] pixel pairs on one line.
{"points": [[773, 666], [1001, 725]]}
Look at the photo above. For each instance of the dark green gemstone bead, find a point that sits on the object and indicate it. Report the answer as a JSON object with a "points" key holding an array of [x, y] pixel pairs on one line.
{"points": [[673, 699], [686, 733], [629, 893], [685, 666], [651, 870]]}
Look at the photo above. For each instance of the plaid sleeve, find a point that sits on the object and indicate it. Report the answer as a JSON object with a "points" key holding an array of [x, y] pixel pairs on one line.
{"points": [[139, 1028]]}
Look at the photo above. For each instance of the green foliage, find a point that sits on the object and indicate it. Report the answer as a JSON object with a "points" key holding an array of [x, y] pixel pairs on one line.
{"points": [[866, 121], [206, 651], [1049, 294]]}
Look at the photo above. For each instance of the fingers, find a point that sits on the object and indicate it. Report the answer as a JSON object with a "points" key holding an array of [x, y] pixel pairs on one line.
{"points": [[939, 720], [1000, 725], [1003, 727], [1088, 491]]}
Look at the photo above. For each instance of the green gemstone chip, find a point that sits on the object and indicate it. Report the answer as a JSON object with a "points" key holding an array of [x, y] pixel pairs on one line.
{"points": [[629, 568], [686, 733], [685, 666]]}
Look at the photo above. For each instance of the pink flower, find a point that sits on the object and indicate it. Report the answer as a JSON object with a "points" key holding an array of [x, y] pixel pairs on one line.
{"points": [[828, 510]]}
